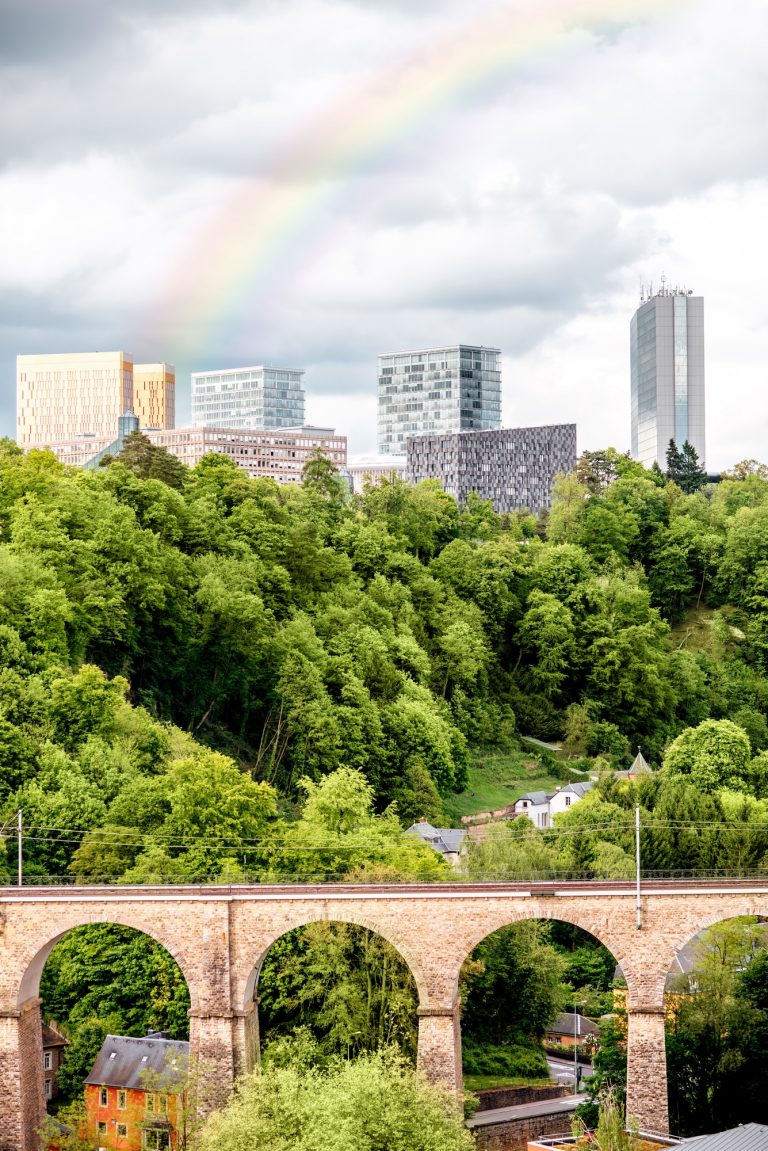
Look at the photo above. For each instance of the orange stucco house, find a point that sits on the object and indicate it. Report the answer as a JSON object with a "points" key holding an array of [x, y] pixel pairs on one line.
{"points": [[134, 1094]]}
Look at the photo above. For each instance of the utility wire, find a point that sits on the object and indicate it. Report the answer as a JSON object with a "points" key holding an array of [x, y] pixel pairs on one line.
{"points": [[524, 837]]}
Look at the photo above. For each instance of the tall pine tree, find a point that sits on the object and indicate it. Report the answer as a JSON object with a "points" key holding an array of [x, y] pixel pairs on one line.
{"points": [[683, 467]]}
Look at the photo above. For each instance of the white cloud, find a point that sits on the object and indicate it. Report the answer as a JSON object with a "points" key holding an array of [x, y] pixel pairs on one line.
{"points": [[525, 218]]}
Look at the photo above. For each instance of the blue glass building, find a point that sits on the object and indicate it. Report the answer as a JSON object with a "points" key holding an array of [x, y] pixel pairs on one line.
{"points": [[451, 389], [667, 373]]}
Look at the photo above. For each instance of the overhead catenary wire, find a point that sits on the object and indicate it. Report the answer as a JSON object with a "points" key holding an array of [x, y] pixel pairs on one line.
{"points": [[69, 836]]}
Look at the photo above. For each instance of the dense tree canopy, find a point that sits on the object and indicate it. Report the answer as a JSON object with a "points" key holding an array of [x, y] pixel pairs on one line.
{"points": [[205, 676], [370, 1103]]}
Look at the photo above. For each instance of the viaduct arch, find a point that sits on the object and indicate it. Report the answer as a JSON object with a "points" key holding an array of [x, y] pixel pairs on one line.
{"points": [[219, 936]]}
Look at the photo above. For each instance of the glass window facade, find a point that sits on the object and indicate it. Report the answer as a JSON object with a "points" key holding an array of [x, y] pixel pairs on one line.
{"points": [[248, 398], [667, 375], [450, 389]]}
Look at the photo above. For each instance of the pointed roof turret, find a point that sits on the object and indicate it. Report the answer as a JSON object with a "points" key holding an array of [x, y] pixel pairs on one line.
{"points": [[639, 765]]}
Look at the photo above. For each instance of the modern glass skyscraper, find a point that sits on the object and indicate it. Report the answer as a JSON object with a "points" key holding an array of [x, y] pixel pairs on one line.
{"points": [[453, 389], [248, 398], [667, 363]]}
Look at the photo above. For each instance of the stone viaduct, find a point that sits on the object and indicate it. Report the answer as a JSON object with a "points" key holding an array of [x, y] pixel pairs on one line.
{"points": [[220, 935]]}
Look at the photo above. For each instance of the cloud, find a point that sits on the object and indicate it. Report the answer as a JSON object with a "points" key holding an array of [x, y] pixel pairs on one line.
{"points": [[523, 215]]}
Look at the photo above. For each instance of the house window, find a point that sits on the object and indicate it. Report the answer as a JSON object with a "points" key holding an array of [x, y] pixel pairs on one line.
{"points": [[155, 1140], [102, 1127], [47, 1061], [150, 1101], [121, 1100], [567, 801], [48, 1089], [163, 1101], [102, 1097], [122, 1130]]}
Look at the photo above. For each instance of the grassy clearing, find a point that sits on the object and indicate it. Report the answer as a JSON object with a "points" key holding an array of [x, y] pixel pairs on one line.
{"points": [[497, 778], [488, 1082], [694, 632]]}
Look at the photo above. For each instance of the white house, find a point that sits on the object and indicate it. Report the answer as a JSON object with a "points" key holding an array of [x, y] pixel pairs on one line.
{"points": [[565, 797], [541, 807], [535, 804]]}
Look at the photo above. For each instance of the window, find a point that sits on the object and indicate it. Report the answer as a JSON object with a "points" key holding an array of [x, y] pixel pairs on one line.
{"points": [[163, 1101], [121, 1100], [102, 1097], [122, 1130], [47, 1061], [102, 1127], [567, 801], [48, 1089], [155, 1140], [150, 1101]]}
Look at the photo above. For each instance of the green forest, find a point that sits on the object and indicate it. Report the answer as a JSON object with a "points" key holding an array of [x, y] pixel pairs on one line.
{"points": [[205, 676]]}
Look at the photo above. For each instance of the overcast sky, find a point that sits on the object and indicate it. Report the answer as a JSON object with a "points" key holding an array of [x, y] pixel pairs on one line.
{"points": [[208, 182]]}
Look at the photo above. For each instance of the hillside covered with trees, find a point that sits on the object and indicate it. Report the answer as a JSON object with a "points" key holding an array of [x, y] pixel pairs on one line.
{"points": [[205, 676], [297, 631]]}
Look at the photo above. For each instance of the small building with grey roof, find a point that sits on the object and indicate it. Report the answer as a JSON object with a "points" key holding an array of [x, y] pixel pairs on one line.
{"points": [[448, 841]]}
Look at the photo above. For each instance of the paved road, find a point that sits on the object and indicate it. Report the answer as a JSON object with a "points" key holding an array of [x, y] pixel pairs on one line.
{"points": [[562, 1069], [526, 1111]]}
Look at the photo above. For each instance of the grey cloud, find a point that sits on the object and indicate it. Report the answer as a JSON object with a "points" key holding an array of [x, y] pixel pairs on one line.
{"points": [[56, 31]]}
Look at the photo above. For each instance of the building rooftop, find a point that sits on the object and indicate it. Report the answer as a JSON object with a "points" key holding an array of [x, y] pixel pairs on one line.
{"points": [[438, 348], [579, 789], [746, 1137], [536, 797], [248, 368], [564, 1025], [443, 839], [640, 766], [53, 1038], [124, 1062]]}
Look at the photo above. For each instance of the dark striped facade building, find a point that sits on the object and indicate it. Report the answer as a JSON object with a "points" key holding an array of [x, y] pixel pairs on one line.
{"points": [[513, 467]]}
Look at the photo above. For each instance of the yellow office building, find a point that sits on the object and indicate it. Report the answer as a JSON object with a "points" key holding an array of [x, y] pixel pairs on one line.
{"points": [[68, 395], [154, 395]]}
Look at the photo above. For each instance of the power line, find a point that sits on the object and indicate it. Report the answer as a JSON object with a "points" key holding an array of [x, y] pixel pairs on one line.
{"points": [[525, 837]]}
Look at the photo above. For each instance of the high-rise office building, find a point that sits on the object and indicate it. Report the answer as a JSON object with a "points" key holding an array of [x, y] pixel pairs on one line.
{"points": [[154, 395], [667, 365], [248, 398], [71, 394], [453, 389], [83, 394]]}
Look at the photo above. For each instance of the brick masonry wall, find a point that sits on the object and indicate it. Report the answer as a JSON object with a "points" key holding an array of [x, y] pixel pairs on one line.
{"points": [[514, 1096], [219, 938], [514, 1134], [513, 467]]}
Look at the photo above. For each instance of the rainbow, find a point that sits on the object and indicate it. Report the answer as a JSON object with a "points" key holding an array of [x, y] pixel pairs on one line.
{"points": [[272, 221]]}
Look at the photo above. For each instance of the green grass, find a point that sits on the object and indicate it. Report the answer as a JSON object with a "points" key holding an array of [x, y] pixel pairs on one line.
{"points": [[488, 1082], [495, 779]]}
